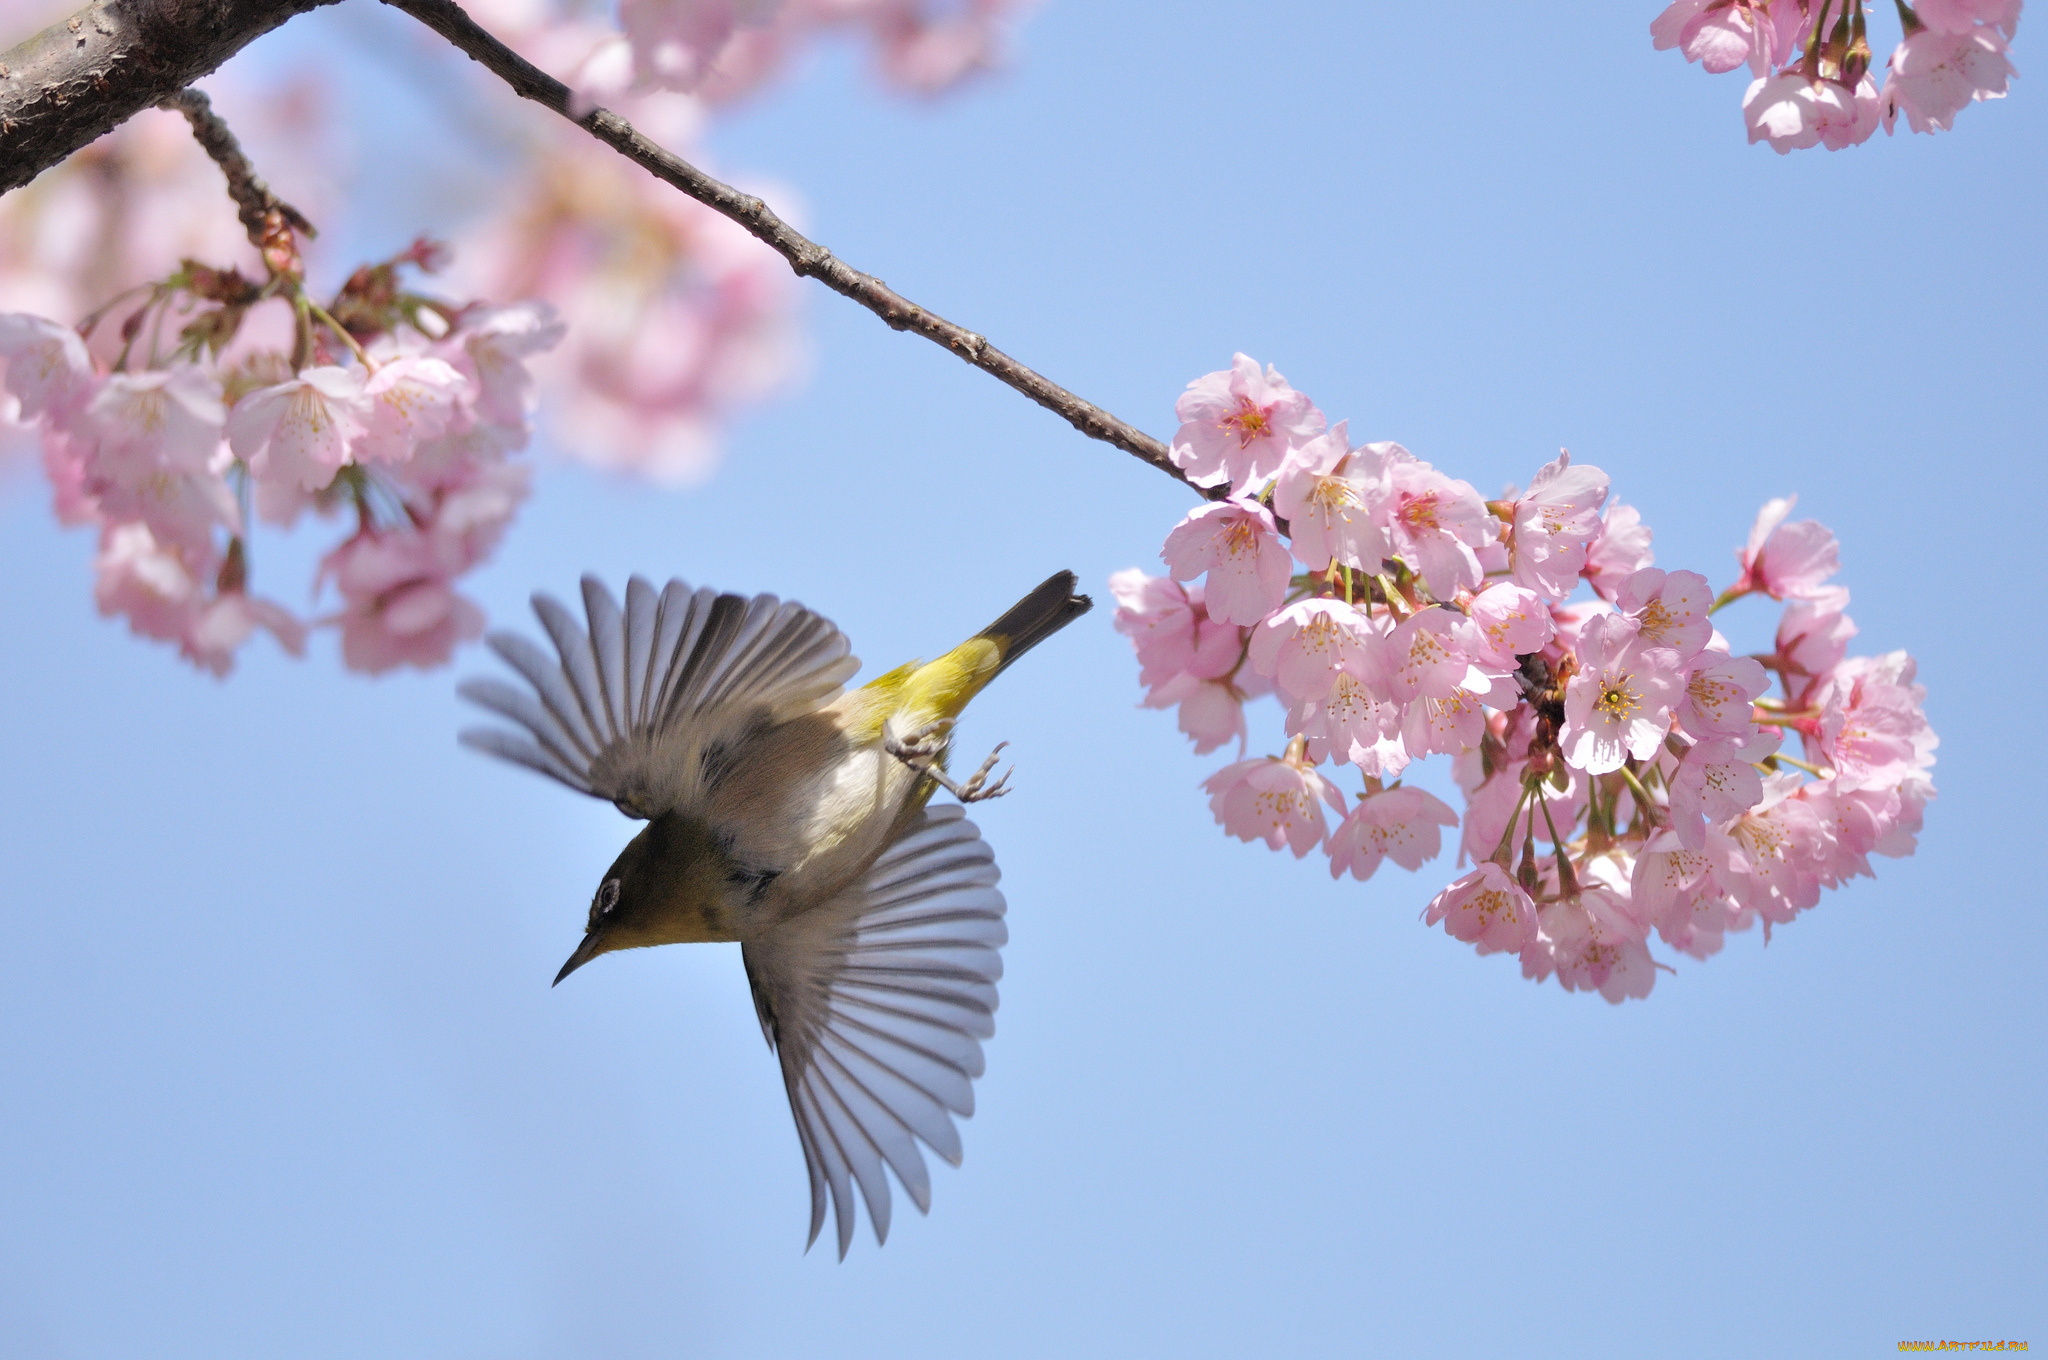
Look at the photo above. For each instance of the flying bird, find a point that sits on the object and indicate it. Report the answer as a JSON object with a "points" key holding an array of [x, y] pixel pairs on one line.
{"points": [[794, 818]]}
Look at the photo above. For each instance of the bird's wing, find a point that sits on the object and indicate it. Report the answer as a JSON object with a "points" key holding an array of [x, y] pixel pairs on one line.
{"points": [[876, 1003], [628, 705]]}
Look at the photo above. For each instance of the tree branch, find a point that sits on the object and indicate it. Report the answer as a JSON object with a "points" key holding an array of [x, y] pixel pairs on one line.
{"points": [[254, 203], [805, 256], [79, 79]]}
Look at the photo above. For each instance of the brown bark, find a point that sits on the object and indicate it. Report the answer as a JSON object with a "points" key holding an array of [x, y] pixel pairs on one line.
{"points": [[81, 78]]}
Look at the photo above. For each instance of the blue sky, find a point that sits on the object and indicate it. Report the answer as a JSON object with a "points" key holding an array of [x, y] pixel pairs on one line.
{"points": [[284, 1074]]}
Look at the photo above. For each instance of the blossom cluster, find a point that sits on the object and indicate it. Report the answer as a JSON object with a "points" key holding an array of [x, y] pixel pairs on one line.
{"points": [[1621, 768], [1811, 62], [726, 48], [226, 401]]}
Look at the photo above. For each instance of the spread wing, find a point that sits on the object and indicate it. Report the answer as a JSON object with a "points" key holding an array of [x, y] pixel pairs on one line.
{"points": [[628, 706], [876, 1003]]}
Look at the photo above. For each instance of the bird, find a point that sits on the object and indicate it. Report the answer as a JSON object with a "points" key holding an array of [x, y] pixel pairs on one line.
{"points": [[795, 817]]}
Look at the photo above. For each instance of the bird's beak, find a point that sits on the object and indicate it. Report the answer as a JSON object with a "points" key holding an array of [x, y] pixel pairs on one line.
{"points": [[585, 952]]}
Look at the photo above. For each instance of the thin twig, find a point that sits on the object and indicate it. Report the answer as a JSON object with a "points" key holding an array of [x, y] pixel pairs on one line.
{"points": [[254, 203], [805, 256]]}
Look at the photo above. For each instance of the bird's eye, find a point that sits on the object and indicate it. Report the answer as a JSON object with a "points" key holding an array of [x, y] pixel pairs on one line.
{"points": [[607, 896]]}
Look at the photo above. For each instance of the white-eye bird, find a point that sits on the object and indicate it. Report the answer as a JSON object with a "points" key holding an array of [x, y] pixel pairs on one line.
{"points": [[792, 818]]}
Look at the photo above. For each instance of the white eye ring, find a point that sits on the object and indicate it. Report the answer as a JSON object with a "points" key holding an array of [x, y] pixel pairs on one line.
{"points": [[607, 896]]}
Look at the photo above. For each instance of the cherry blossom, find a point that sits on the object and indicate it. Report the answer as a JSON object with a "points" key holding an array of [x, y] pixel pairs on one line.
{"points": [[1552, 525], [1321, 492], [1718, 780], [409, 400], [1401, 824], [399, 606], [1277, 799], [1488, 909], [1935, 75], [1718, 691], [1813, 635], [1618, 551], [1238, 426], [1669, 609], [1783, 559], [1238, 545], [48, 370], [300, 431], [1433, 522], [1593, 943], [1872, 730], [1962, 16], [1811, 60], [1622, 770], [1303, 646], [1506, 621], [1619, 704]]}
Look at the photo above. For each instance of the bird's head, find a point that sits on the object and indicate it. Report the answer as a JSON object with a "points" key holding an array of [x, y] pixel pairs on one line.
{"points": [[674, 883]]}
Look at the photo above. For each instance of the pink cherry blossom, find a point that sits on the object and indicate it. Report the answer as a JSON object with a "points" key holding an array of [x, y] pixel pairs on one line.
{"points": [[1170, 630], [1669, 609], [1765, 859], [1486, 908], [1784, 560], [1321, 493], [157, 420], [1237, 544], [1211, 712], [1237, 426], [1936, 75], [1422, 659], [1433, 522], [676, 42], [48, 370], [157, 588], [1673, 890], [217, 630], [1619, 703], [1872, 729], [1961, 16], [180, 508], [1726, 35], [492, 348], [1443, 725], [409, 399], [1619, 550], [1718, 780], [1305, 645], [1793, 111], [300, 432], [398, 605], [1403, 825], [1553, 525], [1813, 635], [1718, 693], [1350, 723], [1275, 799], [1505, 622], [1594, 943]]}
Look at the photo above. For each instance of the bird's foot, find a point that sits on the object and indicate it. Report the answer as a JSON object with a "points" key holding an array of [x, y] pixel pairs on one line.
{"points": [[920, 750]]}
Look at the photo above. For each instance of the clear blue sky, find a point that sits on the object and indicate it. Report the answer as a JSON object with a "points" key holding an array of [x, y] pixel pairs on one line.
{"points": [[283, 1072]]}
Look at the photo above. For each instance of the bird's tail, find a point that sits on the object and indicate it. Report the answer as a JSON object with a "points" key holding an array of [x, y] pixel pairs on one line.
{"points": [[923, 692], [1035, 618]]}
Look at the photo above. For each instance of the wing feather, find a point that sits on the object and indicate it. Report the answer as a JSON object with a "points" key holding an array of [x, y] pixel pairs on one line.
{"points": [[876, 1003], [632, 697]]}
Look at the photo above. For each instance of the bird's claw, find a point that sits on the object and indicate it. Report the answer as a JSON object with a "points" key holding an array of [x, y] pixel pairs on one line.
{"points": [[920, 750]]}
